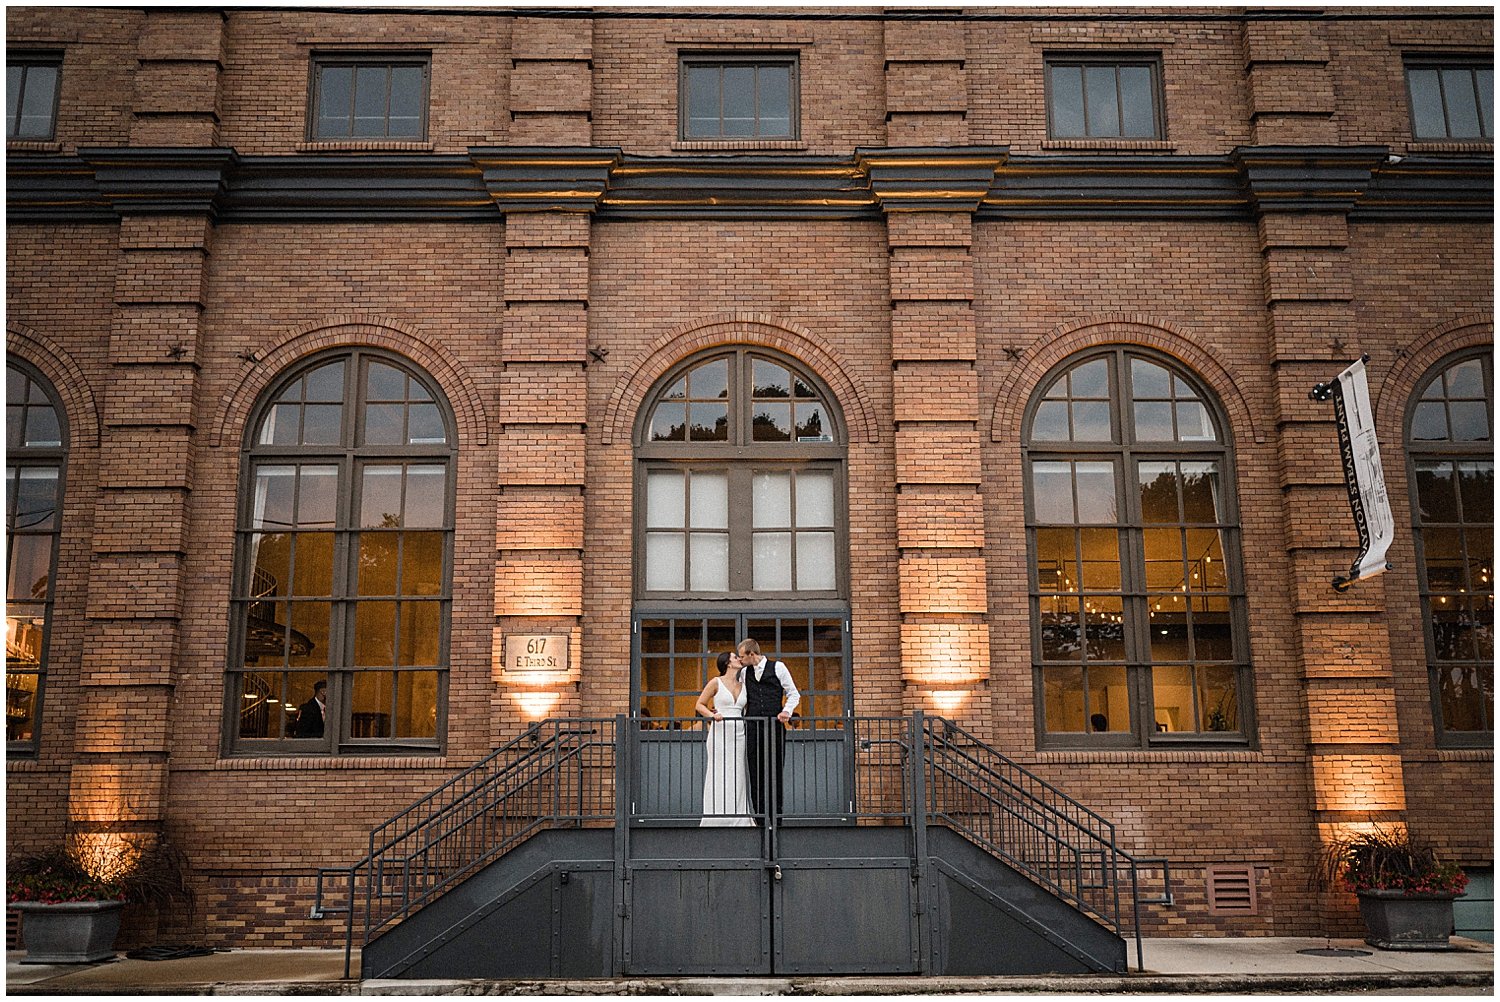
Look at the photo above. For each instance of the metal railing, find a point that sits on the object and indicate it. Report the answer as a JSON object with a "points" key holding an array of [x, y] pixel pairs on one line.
{"points": [[842, 770]]}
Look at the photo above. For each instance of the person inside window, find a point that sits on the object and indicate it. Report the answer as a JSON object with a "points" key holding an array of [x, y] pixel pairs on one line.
{"points": [[314, 712]]}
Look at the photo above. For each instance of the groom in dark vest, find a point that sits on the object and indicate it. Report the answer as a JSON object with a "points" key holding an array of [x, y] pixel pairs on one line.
{"points": [[770, 698]]}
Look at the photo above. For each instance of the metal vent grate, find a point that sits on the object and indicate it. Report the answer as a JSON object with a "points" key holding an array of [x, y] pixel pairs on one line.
{"points": [[1231, 890]]}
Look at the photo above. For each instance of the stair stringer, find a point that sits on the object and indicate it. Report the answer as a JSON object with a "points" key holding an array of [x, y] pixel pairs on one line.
{"points": [[990, 919]]}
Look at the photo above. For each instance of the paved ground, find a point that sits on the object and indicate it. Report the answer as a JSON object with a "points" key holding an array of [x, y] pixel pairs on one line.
{"points": [[1173, 966]]}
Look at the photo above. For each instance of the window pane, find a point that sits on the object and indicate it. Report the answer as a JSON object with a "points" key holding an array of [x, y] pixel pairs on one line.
{"points": [[421, 633], [1051, 422], [1091, 380], [308, 642], [281, 425], [703, 100], [1091, 421], [375, 633], [1101, 559], [815, 499], [1193, 423], [13, 75], [317, 496], [1205, 560], [1104, 630], [1426, 104], [260, 711], [664, 561], [1484, 81], [422, 563], [370, 88], [771, 500], [23, 637], [772, 561], [30, 566], [416, 704], [812, 424], [385, 424], [380, 497], [1137, 102], [335, 87], [20, 704], [1443, 557], [424, 425], [710, 381], [1458, 95], [273, 497], [271, 564], [1172, 688], [1466, 704], [38, 102], [1200, 493], [1429, 422], [710, 422], [322, 424], [669, 423], [1067, 101], [314, 573], [1148, 380], [406, 101], [35, 498], [664, 500], [739, 100], [1109, 699], [1163, 552], [42, 428], [1052, 492], [1169, 630], [1099, 91], [371, 712], [1055, 561], [1096, 492], [1158, 482], [1476, 484], [775, 100], [379, 560], [1435, 494], [1062, 700], [1212, 637], [1464, 380], [815, 561], [1153, 421], [326, 383], [1470, 420], [1218, 695], [710, 501], [1452, 630], [1060, 633], [772, 422], [710, 561], [426, 497]]}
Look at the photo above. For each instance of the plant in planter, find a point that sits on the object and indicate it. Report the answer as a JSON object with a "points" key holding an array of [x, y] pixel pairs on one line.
{"points": [[1405, 892], [70, 896]]}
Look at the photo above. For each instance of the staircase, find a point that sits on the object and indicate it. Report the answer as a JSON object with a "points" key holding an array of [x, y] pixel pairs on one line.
{"points": [[907, 846]]}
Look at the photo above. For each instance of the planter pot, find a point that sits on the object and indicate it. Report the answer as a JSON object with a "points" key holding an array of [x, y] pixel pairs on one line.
{"points": [[73, 932], [1400, 921]]}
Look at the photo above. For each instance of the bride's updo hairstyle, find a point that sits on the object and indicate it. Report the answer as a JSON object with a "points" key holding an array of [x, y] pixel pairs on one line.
{"points": [[724, 661]]}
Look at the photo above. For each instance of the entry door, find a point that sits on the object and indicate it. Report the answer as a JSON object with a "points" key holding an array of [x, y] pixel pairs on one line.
{"points": [[675, 655]]}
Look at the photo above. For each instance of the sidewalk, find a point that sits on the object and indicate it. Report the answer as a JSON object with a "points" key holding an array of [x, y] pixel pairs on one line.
{"points": [[1198, 966]]}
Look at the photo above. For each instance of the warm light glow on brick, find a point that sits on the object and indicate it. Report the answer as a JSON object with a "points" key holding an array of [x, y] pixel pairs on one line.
{"points": [[948, 700], [536, 705]]}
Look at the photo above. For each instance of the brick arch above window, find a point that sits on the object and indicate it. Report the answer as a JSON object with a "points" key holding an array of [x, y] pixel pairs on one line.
{"points": [[1133, 329], [353, 331], [65, 375], [1469, 331], [752, 329]]}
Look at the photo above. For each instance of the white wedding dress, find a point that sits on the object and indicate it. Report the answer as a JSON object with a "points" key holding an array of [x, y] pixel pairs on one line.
{"points": [[726, 781]]}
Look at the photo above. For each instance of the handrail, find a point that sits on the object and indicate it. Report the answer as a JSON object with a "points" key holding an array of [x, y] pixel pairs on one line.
{"points": [[562, 773]]}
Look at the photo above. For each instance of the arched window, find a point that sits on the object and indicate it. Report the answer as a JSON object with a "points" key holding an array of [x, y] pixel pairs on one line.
{"points": [[36, 447], [740, 528], [1137, 599], [343, 579], [1451, 455]]}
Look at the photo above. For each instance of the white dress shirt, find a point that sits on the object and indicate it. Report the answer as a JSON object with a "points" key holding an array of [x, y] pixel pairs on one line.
{"points": [[793, 697]]}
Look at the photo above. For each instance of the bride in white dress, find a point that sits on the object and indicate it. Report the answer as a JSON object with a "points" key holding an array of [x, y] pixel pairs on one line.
{"points": [[726, 781]]}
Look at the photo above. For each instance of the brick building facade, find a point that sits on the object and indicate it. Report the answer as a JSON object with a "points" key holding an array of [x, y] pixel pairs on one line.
{"points": [[922, 219]]}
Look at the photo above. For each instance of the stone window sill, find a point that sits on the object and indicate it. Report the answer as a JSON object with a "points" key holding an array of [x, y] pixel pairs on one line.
{"points": [[32, 146], [364, 146], [1111, 145], [1450, 147], [710, 145]]}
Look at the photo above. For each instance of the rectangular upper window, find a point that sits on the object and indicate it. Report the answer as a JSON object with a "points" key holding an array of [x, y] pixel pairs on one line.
{"points": [[369, 97], [738, 97], [1451, 98], [1114, 98], [31, 96]]}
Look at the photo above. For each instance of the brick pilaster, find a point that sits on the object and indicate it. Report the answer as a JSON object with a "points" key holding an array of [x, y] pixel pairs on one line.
{"points": [[551, 81], [926, 90], [1291, 87], [164, 188]]}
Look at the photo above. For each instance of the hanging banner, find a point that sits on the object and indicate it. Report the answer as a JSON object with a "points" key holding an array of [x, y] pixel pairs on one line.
{"points": [[1363, 476]]}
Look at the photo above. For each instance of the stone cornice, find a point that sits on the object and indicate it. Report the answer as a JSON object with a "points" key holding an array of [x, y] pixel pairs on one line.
{"points": [[100, 185], [926, 178]]}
